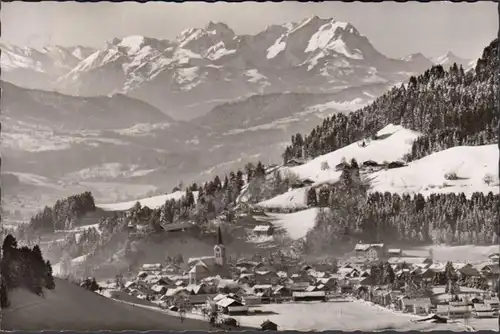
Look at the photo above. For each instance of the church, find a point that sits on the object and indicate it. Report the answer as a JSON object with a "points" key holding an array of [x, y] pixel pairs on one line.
{"points": [[210, 266]]}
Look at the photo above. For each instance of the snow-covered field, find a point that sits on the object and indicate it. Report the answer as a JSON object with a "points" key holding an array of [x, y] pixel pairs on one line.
{"points": [[427, 175], [70, 307], [395, 143], [153, 202], [348, 316], [295, 198], [296, 224], [467, 253], [470, 164]]}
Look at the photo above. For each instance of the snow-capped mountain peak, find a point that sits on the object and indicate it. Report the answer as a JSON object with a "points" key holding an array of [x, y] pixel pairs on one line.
{"points": [[415, 56], [133, 43], [314, 55], [449, 58]]}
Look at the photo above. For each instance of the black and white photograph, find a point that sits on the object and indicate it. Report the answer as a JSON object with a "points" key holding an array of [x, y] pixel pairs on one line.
{"points": [[233, 166]]}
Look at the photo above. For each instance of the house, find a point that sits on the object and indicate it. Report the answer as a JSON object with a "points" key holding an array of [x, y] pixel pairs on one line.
{"points": [[266, 289], [454, 311], [493, 302], [370, 163], [263, 230], [417, 306], [309, 295], [395, 252], [483, 311], [269, 326], [295, 162], [159, 289], [266, 277], [151, 267], [369, 251], [252, 300], [230, 306], [494, 258], [395, 164]]}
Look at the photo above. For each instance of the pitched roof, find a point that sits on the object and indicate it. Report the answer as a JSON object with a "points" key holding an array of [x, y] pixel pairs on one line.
{"points": [[262, 228], [365, 247]]}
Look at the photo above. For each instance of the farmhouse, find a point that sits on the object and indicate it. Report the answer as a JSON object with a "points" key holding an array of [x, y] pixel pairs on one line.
{"points": [[395, 252], [309, 295], [263, 230], [231, 306], [494, 258], [369, 251], [295, 162]]}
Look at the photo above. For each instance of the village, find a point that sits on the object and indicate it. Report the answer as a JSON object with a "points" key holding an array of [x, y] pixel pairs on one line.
{"points": [[213, 289]]}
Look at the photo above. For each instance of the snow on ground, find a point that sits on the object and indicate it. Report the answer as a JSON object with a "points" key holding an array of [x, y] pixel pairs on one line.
{"points": [[340, 315], [110, 170], [296, 224], [466, 253], [142, 129], [395, 142], [153, 202], [427, 175], [295, 198], [70, 307]]}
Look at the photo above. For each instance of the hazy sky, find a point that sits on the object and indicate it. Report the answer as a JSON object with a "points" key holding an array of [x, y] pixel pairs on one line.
{"points": [[395, 29]]}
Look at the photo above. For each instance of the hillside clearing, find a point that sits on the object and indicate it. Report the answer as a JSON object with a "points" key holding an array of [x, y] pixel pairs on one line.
{"points": [[395, 141], [427, 176], [296, 224]]}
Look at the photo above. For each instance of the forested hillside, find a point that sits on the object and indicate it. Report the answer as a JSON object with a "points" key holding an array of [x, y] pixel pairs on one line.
{"points": [[450, 108]]}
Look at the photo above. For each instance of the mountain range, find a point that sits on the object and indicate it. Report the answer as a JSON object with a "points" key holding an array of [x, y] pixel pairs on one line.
{"points": [[140, 114], [188, 76]]}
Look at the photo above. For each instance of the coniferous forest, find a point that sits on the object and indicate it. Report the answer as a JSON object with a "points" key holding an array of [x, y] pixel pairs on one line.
{"points": [[450, 108], [23, 267]]}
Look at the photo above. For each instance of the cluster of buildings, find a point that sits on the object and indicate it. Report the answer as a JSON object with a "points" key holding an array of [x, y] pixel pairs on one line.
{"points": [[211, 282]]}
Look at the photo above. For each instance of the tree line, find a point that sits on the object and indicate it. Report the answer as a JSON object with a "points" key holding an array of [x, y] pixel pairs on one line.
{"points": [[449, 108], [23, 267], [64, 215]]}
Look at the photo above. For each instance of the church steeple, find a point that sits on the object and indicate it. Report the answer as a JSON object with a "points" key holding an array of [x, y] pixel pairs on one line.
{"points": [[219, 236], [219, 249]]}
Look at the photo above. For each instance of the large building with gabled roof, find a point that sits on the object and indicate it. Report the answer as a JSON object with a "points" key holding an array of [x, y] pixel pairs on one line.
{"points": [[210, 266]]}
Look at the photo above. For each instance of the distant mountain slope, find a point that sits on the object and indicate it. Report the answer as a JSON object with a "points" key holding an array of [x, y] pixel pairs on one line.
{"points": [[39, 68], [70, 307], [187, 76], [93, 113]]}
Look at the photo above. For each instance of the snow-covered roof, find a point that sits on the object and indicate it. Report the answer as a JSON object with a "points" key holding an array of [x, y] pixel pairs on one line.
{"points": [[227, 302], [409, 260], [365, 247], [262, 228], [149, 267]]}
